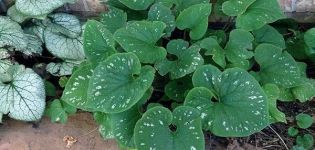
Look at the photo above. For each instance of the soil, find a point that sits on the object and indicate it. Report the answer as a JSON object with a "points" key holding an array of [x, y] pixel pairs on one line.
{"points": [[17, 135]]}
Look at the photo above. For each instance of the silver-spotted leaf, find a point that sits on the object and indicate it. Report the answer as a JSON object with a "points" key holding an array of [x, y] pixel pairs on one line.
{"points": [[113, 19], [183, 4], [11, 34], [236, 7], [98, 43], [159, 12], [277, 67], [270, 35], [188, 59], [140, 37], [152, 130], [215, 50], [118, 83], [24, 97], [258, 14], [194, 18], [232, 103]]}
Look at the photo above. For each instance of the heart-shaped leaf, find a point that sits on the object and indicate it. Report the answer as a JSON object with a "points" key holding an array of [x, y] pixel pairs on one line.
{"points": [[99, 43], [270, 35], [140, 38], [58, 111], [187, 61], [195, 18], [304, 121], [137, 4], [236, 7], [273, 92], [159, 12], [65, 24], [11, 34], [232, 103], [24, 97], [152, 131], [34, 45], [113, 19], [277, 67], [258, 14], [215, 50], [177, 89], [183, 4], [118, 83], [39, 7]]}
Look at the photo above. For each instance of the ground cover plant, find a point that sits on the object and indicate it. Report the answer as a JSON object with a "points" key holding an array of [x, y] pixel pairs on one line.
{"points": [[158, 74]]}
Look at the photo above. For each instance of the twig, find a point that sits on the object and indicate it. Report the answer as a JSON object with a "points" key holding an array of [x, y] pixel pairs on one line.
{"points": [[279, 137], [88, 132]]}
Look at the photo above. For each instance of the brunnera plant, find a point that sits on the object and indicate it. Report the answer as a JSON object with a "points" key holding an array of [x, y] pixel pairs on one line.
{"points": [[209, 79]]}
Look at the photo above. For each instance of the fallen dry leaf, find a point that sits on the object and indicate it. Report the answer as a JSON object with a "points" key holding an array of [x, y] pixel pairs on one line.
{"points": [[70, 140]]}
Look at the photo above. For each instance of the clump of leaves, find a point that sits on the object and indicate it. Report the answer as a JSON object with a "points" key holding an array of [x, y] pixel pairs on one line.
{"points": [[155, 73]]}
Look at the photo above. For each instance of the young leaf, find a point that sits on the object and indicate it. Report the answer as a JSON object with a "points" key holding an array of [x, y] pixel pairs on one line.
{"points": [[98, 43], [75, 92], [58, 111], [24, 97], [304, 121], [293, 131], [270, 35], [39, 7], [11, 34], [234, 96], [105, 127], [194, 18], [277, 67], [140, 38], [187, 61], [50, 89], [236, 7], [159, 12], [305, 91], [215, 50], [137, 4], [258, 14], [64, 47], [113, 19], [65, 24], [273, 93], [152, 131], [118, 83], [306, 141]]}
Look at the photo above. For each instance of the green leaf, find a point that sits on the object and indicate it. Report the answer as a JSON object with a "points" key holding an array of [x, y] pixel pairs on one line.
{"points": [[305, 91], [24, 97], [98, 42], [137, 4], [50, 89], [39, 7], [258, 14], [183, 4], [195, 18], [58, 111], [277, 67], [63, 81], [273, 93], [105, 127], [152, 130], [113, 19], [64, 47], [167, 3], [75, 92], [11, 34], [159, 12], [141, 37], [236, 7], [309, 41], [187, 59], [215, 50], [306, 141], [304, 121], [65, 24], [234, 96], [177, 89], [270, 35], [293, 132], [238, 46], [118, 83]]}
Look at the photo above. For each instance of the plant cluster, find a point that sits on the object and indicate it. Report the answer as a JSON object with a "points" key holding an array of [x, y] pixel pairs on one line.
{"points": [[157, 74]]}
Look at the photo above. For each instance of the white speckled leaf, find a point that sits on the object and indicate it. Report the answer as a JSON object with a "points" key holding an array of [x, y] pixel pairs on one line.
{"points": [[118, 83], [276, 66], [65, 24], [152, 131], [183, 4], [195, 18], [61, 69], [258, 14], [215, 50], [75, 92], [11, 34], [39, 7], [140, 37], [137, 4], [232, 103], [188, 59], [64, 47], [24, 97], [269, 34], [114, 19], [159, 12], [236, 7]]}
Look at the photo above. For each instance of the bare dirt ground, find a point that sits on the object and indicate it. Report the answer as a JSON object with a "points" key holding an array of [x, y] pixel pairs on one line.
{"points": [[17, 135]]}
